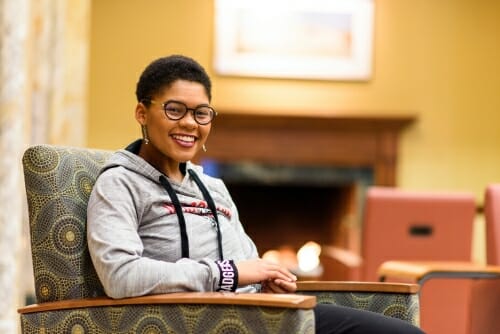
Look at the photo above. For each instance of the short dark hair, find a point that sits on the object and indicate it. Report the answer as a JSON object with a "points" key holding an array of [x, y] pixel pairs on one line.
{"points": [[163, 72]]}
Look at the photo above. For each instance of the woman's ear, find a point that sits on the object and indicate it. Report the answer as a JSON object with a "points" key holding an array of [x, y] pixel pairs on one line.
{"points": [[140, 113]]}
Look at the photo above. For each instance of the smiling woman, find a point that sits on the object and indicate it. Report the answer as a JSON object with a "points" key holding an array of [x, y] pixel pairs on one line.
{"points": [[166, 91], [173, 135], [156, 223]]}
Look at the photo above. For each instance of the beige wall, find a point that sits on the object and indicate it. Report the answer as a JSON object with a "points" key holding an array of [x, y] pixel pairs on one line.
{"points": [[439, 59]]}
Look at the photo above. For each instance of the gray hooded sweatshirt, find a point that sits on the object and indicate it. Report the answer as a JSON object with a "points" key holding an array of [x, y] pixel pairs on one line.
{"points": [[133, 231]]}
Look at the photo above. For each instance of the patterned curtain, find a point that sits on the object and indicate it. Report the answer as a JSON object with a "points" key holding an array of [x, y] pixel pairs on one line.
{"points": [[43, 85]]}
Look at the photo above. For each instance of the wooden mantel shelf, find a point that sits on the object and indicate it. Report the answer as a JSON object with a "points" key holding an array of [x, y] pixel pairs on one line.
{"points": [[336, 140]]}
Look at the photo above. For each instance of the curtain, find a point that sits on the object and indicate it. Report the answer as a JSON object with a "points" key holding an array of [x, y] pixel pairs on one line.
{"points": [[44, 46]]}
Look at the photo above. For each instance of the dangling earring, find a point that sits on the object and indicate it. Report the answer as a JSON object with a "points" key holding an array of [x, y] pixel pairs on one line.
{"points": [[204, 148], [145, 137]]}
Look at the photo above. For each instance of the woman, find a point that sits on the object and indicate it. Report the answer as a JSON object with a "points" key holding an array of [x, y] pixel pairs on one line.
{"points": [[151, 222]]}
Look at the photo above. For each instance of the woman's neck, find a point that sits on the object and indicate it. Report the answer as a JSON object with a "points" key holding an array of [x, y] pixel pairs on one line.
{"points": [[169, 167]]}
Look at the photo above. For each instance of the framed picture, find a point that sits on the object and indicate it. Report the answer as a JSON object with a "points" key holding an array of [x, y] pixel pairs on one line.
{"points": [[304, 39]]}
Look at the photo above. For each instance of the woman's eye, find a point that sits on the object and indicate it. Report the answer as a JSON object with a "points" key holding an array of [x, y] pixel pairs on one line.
{"points": [[202, 113], [173, 110]]}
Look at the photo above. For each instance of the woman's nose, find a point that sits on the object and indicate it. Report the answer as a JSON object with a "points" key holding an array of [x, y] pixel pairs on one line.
{"points": [[188, 119]]}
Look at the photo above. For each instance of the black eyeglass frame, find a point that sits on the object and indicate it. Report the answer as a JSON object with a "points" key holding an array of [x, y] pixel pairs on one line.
{"points": [[193, 110]]}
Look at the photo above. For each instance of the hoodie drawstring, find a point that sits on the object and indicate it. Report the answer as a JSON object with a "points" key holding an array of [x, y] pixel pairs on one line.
{"points": [[178, 210]]}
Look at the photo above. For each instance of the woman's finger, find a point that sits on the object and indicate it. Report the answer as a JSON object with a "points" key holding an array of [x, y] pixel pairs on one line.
{"points": [[286, 286], [281, 272], [275, 288]]}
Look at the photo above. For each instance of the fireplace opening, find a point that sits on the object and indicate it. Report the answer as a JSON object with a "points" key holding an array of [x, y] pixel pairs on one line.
{"points": [[283, 207], [289, 215]]}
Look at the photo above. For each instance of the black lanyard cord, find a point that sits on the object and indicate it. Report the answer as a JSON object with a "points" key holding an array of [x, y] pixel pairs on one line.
{"points": [[180, 216], [211, 205]]}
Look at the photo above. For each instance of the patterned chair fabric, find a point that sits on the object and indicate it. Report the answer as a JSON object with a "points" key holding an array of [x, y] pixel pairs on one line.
{"points": [[58, 184], [404, 306], [160, 319]]}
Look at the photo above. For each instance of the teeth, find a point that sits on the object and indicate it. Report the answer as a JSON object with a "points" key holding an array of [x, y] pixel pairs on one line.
{"points": [[184, 138]]}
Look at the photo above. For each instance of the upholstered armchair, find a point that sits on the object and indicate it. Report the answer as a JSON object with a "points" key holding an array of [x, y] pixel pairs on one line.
{"points": [[70, 298], [480, 314]]}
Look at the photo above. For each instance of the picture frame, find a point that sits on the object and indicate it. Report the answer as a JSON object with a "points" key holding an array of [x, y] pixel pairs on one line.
{"points": [[301, 39]]}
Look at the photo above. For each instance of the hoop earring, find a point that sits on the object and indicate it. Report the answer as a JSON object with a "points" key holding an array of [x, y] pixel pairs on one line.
{"points": [[204, 148], [145, 137]]}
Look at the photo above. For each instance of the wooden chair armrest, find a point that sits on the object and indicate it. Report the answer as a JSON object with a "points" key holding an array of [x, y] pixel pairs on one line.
{"points": [[357, 286], [225, 298], [417, 271]]}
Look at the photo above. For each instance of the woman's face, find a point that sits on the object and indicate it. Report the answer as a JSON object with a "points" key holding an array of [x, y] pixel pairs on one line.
{"points": [[174, 141]]}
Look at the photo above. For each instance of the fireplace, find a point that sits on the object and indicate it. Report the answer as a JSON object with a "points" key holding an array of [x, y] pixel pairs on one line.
{"points": [[297, 179]]}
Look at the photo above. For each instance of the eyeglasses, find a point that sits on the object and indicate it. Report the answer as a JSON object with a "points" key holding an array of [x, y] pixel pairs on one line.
{"points": [[175, 110]]}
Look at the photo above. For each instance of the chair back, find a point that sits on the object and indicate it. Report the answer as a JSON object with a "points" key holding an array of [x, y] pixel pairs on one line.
{"points": [[415, 225], [58, 183], [492, 218]]}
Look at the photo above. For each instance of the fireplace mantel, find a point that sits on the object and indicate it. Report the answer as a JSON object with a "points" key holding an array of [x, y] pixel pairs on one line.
{"points": [[336, 140]]}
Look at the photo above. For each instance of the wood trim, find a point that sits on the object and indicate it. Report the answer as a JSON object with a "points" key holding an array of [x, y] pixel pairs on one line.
{"points": [[220, 298], [333, 140], [417, 270], [358, 287]]}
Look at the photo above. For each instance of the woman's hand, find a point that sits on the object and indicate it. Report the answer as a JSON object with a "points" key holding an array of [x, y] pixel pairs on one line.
{"points": [[278, 286], [260, 271]]}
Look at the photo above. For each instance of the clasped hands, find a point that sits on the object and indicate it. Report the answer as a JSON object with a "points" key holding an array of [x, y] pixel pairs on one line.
{"points": [[273, 277]]}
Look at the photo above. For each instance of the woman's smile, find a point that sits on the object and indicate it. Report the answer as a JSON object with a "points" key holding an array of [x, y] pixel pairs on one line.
{"points": [[184, 140]]}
